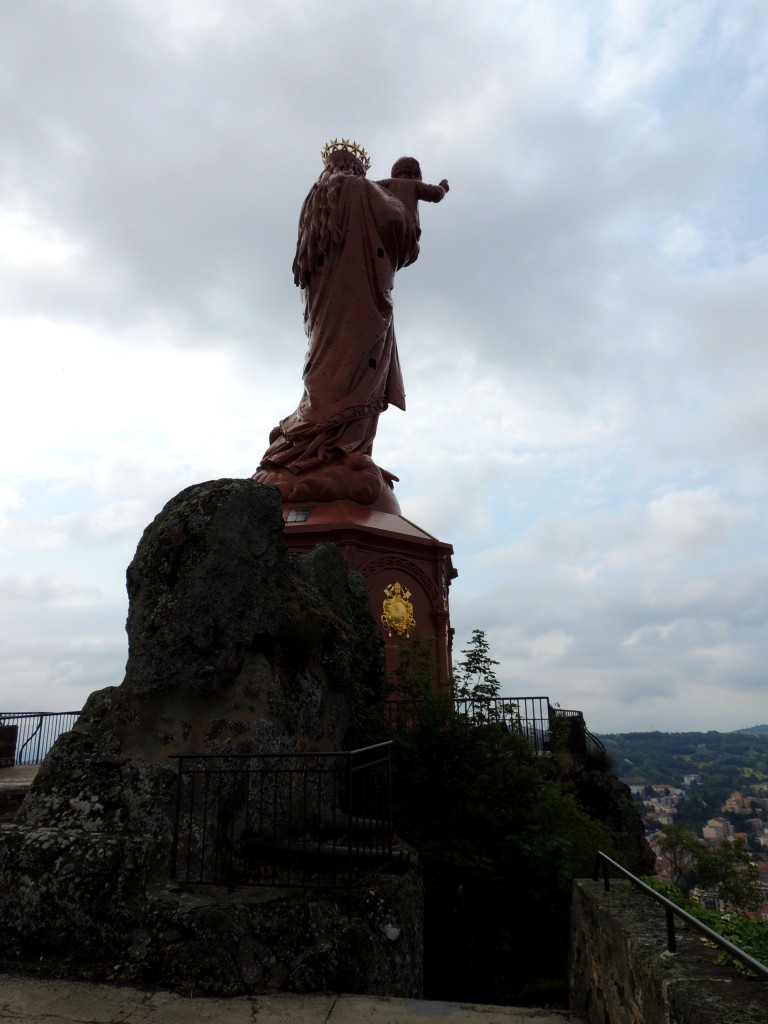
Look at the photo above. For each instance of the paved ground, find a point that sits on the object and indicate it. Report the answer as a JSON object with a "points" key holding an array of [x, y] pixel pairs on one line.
{"points": [[35, 1001], [14, 783], [19, 778]]}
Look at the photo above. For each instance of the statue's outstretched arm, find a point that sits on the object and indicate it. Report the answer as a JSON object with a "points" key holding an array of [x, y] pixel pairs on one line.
{"points": [[432, 193]]}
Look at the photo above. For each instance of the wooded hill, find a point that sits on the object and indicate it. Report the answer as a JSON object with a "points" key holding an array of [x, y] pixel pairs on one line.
{"points": [[726, 762], [734, 758]]}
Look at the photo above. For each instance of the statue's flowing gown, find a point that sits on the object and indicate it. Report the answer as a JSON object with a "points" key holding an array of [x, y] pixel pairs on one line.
{"points": [[352, 371]]}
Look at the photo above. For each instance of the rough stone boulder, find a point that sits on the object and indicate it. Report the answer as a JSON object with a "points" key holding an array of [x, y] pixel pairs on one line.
{"points": [[235, 647]]}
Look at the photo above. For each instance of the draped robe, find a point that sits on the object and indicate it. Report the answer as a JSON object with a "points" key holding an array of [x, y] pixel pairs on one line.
{"points": [[351, 370]]}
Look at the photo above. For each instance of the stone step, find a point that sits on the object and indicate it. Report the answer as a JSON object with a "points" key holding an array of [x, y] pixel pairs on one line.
{"points": [[19, 777], [14, 784], [26, 1000]]}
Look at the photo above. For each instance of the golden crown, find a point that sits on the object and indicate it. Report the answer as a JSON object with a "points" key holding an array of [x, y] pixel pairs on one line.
{"points": [[350, 147]]}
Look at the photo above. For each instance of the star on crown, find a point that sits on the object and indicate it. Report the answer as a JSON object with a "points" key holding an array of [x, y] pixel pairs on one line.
{"points": [[350, 147]]}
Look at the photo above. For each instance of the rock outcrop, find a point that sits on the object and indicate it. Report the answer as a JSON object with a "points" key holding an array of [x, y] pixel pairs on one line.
{"points": [[235, 647], [608, 800]]}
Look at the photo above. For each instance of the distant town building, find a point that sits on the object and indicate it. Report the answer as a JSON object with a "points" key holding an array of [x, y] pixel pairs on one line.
{"points": [[736, 804], [717, 830], [708, 898]]}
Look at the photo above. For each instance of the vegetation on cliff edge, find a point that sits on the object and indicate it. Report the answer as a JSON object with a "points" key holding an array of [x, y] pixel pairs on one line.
{"points": [[501, 833]]}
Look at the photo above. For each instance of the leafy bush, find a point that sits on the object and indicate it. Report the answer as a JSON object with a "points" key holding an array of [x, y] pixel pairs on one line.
{"points": [[499, 839], [745, 932], [728, 868]]}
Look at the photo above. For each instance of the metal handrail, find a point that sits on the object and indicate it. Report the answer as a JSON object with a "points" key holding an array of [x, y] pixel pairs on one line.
{"points": [[276, 818], [49, 726], [234, 756], [526, 716], [529, 717], [672, 910], [589, 737]]}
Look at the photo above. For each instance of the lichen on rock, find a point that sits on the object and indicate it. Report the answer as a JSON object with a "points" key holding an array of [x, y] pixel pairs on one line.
{"points": [[235, 646]]}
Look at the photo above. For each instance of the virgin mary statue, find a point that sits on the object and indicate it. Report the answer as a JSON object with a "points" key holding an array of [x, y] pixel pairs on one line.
{"points": [[354, 235]]}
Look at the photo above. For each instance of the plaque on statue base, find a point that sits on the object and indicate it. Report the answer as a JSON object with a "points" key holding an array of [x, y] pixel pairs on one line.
{"points": [[407, 571]]}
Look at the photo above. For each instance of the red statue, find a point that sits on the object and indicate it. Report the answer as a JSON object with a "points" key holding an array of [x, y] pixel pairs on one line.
{"points": [[354, 234]]}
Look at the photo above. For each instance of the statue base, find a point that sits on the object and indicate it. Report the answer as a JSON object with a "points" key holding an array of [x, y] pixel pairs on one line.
{"points": [[406, 570]]}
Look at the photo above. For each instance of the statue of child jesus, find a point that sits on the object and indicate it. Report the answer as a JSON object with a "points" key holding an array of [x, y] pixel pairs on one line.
{"points": [[407, 186]]}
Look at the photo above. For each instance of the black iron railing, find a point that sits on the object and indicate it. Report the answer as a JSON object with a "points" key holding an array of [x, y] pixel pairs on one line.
{"points": [[569, 732], [297, 819], [544, 726], [672, 911], [526, 716], [37, 731]]}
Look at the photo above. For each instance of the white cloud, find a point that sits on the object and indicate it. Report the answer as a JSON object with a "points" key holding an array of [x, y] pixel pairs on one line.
{"points": [[683, 241], [27, 243], [689, 521], [582, 337]]}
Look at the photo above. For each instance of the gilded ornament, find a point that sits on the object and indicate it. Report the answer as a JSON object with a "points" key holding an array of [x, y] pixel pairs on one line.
{"points": [[397, 610], [350, 147]]}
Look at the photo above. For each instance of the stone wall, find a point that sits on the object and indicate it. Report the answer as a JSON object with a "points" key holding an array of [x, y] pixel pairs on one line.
{"points": [[621, 972]]}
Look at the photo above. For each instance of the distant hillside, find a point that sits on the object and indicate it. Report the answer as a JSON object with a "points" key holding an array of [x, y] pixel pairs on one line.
{"points": [[756, 730], [726, 760]]}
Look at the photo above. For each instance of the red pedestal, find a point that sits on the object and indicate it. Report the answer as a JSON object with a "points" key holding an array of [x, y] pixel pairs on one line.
{"points": [[407, 570]]}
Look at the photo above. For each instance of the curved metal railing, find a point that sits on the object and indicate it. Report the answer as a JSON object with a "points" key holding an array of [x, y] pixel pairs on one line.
{"points": [[37, 731]]}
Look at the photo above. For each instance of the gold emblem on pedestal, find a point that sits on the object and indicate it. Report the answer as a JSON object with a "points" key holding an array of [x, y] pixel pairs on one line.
{"points": [[397, 611]]}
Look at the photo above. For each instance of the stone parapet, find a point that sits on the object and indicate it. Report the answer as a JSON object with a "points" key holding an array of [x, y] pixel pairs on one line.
{"points": [[621, 973]]}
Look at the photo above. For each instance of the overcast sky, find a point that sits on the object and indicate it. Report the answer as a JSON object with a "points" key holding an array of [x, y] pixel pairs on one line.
{"points": [[582, 339]]}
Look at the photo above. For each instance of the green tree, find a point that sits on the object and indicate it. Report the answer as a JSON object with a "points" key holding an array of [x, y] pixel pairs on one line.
{"points": [[681, 850], [474, 675], [474, 680], [729, 868]]}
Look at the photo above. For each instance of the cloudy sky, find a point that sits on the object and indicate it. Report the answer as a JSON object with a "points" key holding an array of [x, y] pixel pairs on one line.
{"points": [[582, 339]]}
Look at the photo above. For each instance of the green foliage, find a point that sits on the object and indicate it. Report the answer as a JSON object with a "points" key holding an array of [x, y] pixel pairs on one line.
{"points": [[598, 759], [680, 849], [748, 934], [499, 839], [744, 932], [756, 730], [727, 868], [730, 870], [500, 845], [658, 757], [474, 676]]}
